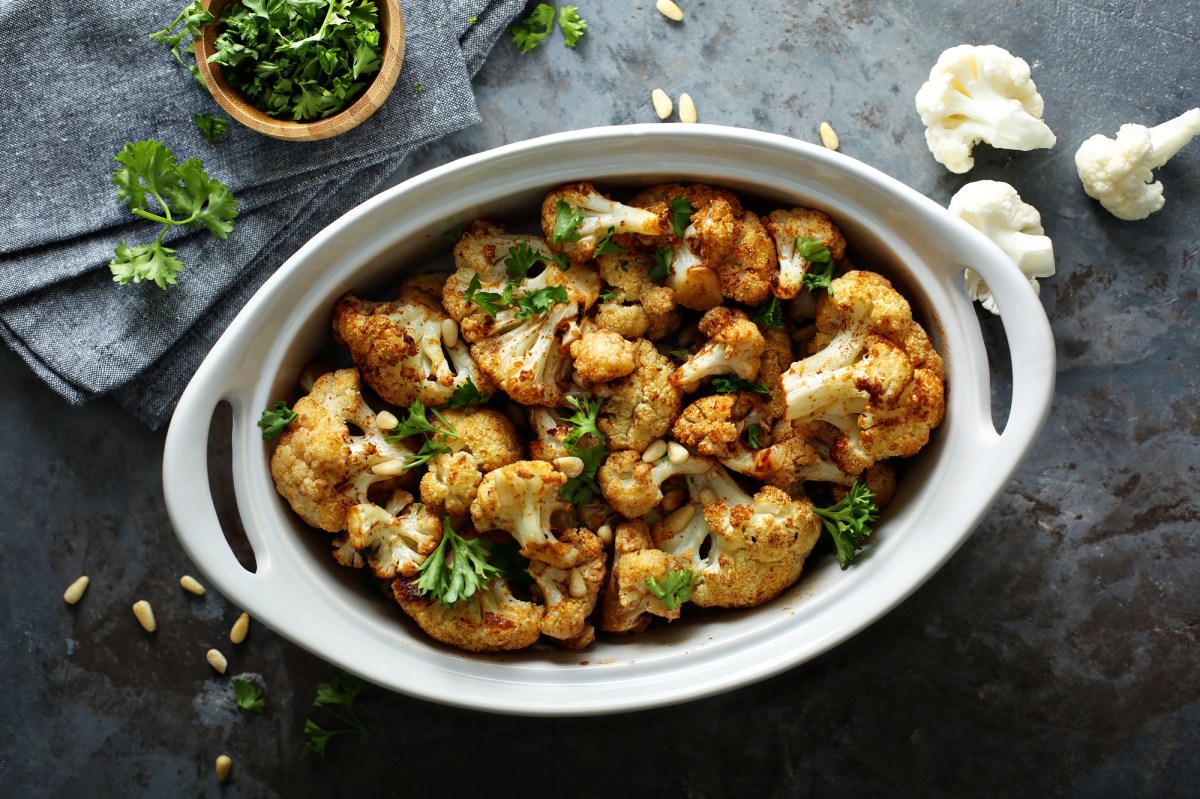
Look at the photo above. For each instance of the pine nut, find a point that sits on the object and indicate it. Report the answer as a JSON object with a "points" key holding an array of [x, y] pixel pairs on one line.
{"points": [[829, 136], [386, 420], [75, 590], [449, 332], [578, 586], [217, 661], [389, 468], [673, 499], [237, 633], [662, 103], [677, 453], [708, 496], [224, 764], [605, 534], [569, 465], [687, 108], [679, 519], [669, 10], [655, 451], [145, 615], [191, 585]]}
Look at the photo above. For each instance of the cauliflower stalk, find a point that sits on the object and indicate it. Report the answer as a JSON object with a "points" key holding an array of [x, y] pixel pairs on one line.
{"points": [[395, 539], [1118, 172], [995, 209], [980, 93], [523, 500], [734, 346], [578, 220]]}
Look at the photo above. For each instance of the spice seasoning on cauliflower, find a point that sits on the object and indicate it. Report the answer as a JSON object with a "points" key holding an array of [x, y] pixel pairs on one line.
{"points": [[535, 400]]}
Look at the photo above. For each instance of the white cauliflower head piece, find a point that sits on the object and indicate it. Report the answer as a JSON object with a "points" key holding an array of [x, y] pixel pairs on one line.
{"points": [[980, 93]]}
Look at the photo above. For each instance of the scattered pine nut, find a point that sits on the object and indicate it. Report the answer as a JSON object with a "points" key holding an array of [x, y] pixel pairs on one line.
{"points": [[672, 499], [386, 420], [224, 764], [449, 332], [687, 108], [829, 136], [569, 465], [190, 584], [605, 534], [669, 10], [217, 661], [237, 633], [389, 468], [679, 519], [662, 103], [708, 497], [677, 453], [75, 590], [655, 451], [578, 585], [145, 615]]}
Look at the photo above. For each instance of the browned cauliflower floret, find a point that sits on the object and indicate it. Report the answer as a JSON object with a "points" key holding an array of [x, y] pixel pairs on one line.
{"points": [[777, 358], [735, 346], [873, 374], [399, 349], [523, 500], [743, 550], [601, 355], [627, 603], [549, 434], [569, 594], [641, 306], [576, 218], [632, 486], [345, 554], [798, 224], [486, 440], [745, 274], [396, 539], [490, 620], [323, 469], [732, 428], [641, 406]]}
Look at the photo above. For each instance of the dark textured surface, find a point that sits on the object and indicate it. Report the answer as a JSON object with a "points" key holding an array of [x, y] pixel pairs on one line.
{"points": [[1054, 655]]}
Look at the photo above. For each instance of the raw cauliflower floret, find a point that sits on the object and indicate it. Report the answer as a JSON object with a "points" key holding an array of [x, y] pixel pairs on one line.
{"points": [[1119, 173], [641, 306], [799, 224], [523, 500], [980, 93], [628, 604], [734, 346], [873, 373], [394, 540], [634, 487], [743, 550], [486, 441], [490, 620], [576, 218], [641, 406], [570, 594], [398, 346], [320, 467], [601, 355]]}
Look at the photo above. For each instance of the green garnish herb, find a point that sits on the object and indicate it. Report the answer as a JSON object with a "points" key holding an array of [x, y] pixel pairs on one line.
{"points": [[539, 302], [754, 436], [213, 127], [561, 260], [467, 571], [506, 556], [453, 235], [607, 246], [417, 423], [340, 693], [662, 258], [573, 26], [771, 314], [849, 521], [529, 32], [820, 263], [680, 354], [249, 697], [585, 420], [191, 18], [520, 260], [609, 296], [567, 220], [675, 588], [467, 394], [185, 196], [491, 302], [681, 214], [275, 420], [583, 488], [728, 385]]}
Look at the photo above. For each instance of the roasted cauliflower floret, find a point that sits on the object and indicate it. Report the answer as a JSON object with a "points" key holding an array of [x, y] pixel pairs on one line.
{"points": [[641, 306], [490, 620], [746, 273], [570, 594], [735, 346], [873, 374], [743, 550], [642, 405], [795, 232], [601, 355], [486, 441], [523, 500], [394, 540], [322, 468], [633, 487], [628, 604], [576, 219]]}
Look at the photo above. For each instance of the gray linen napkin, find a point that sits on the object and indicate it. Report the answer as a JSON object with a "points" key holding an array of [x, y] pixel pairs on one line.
{"points": [[90, 79]]}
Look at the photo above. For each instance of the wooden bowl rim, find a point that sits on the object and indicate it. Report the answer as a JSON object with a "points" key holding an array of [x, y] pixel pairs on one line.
{"points": [[391, 24]]}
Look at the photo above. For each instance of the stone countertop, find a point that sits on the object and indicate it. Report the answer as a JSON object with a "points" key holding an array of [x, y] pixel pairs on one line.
{"points": [[1054, 654]]}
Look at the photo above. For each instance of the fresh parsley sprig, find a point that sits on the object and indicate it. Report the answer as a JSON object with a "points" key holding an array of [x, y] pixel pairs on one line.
{"points": [[186, 24], [567, 219], [681, 214], [539, 302], [661, 270], [275, 420], [212, 127], [849, 521], [248, 696], [531, 31], [588, 443], [456, 569], [820, 263], [674, 589], [467, 394], [771, 314], [572, 25], [417, 423], [728, 385], [336, 698]]}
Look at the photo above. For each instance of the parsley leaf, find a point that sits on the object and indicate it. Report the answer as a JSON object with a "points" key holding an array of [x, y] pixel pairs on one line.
{"points": [[609, 296], [520, 260], [184, 196], [538, 302], [191, 18], [339, 692], [274, 421], [506, 556], [728, 385], [530, 31], [584, 420], [607, 245], [818, 276], [213, 127], [567, 219], [675, 588], [583, 488], [417, 423], [456, 569], [491, 302], [454, 234], [820, 262], [771, 314], [754, 436], [662, 258], [849, 521], [249, 697], [573, 26], [681, 214], [467, 394]]}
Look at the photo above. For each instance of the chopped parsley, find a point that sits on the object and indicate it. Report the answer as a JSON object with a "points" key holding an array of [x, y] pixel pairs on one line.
{"points": [[728, 385], [849, 521], [674, 589], [456, 569], [771, 314], [681, 214], [754, 436], [213, 127], [274, 421], [467, 394], [567, 219], [820, 263], [662, 257], [249, 697]]}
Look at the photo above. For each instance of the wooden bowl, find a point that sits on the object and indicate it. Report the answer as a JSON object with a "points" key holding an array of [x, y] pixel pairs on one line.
{"points": [[391, 25]]}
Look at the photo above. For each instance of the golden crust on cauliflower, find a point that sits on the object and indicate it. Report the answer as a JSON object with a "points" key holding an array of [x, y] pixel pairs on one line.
{"points": [[491, 620], [486, 440], [628, 604], [641, 406]]}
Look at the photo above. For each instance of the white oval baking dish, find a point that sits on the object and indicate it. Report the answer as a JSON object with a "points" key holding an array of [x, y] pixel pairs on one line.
{"points": [[298, 591]]}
